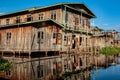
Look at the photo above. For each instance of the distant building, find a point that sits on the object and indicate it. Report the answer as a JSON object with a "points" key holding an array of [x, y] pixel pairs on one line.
{"points": [[117, 40], [102, 38]]}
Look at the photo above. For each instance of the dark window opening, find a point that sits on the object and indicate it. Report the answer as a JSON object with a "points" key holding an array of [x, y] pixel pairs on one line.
{"points": [[7, 21], [76, 21], [73, 42], [0, 38], [53, 15], [0, 22], [8, 35], [54, 35], [57, 38], [88, 23], [41, 16], [80, 62], [40, 71], [8, 73], [40, 35], [65, 65], [29, 18], [65, 38], [18, 19], [80, 40]]}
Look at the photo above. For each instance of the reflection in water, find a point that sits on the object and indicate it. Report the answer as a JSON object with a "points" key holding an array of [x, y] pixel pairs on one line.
{"points": [[84, 75], [110, 73]]}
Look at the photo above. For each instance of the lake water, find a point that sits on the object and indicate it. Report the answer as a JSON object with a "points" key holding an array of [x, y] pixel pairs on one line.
{"points": [[110, 73]]}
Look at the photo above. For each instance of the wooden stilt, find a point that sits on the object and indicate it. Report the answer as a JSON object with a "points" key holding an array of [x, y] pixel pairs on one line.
{"points": [[19, 67], [46, 54], [2, 53]]}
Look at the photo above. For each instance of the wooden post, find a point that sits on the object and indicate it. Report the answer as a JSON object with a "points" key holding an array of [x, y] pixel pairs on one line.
{"points": [[2, 53], [19, 68], [46, 53]]}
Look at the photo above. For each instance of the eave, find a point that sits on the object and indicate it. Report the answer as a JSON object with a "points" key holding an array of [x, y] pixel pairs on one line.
{"points": [[30, 22], [78, 31], [80, 11]]}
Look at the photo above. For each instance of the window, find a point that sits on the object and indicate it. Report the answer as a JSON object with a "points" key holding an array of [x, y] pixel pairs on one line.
{"points": [[29, 17], [53, 15], [40, 71], [76, 21], [40, 35], [7, 21], [88, 23], [18, 19], [41, 16], [8, 35], [54, 35], [65, 38], [57, 38], [65, 65], [0, 38], [8, 73], [0, 22], [80, 40]]}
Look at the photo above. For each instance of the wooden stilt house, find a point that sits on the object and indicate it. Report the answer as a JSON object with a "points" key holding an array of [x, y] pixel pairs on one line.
{"points": [[32, 38]]}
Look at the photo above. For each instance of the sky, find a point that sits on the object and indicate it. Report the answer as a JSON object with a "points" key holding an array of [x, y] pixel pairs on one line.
{"points": [[107, 11]]}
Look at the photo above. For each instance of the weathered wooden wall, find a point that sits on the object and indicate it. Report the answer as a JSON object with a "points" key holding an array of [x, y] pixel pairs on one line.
{"points": [[19, 39]]}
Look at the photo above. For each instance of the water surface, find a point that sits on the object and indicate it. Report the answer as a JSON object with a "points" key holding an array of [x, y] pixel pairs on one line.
{"points": [[110, 73]]}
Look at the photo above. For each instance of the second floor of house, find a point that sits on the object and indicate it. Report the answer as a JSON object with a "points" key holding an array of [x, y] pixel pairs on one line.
{"points": [[75, 16]]}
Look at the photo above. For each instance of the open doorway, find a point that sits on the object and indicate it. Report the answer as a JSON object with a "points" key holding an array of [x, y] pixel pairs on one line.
{"points": [[73, 42]]}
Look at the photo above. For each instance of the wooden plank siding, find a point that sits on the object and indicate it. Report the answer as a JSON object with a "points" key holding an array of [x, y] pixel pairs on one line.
{"points": [[44, 38], [22, 37]]}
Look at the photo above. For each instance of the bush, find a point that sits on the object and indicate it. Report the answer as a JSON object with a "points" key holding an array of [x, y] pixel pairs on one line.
{"points": [[5, 65], [110, 50]]}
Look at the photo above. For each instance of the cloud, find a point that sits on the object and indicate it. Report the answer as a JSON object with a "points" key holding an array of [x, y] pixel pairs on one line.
{"points": [[105, 24]]}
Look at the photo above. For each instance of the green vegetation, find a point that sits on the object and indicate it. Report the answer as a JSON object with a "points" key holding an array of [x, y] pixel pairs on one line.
{"points": [[5, 65], [109, 51]]}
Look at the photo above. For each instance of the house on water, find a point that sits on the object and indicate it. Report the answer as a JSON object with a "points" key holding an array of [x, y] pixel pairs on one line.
{"points": [[40, 39]]}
